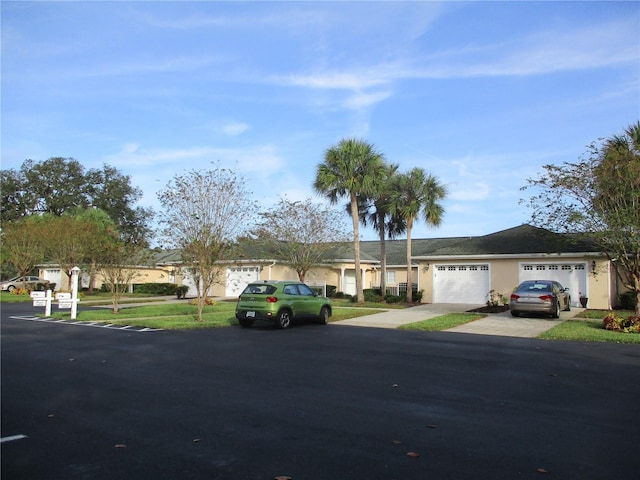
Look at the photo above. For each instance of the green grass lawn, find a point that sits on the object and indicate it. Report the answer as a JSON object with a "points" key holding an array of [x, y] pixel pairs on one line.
{"points": [[97, 298], [443, 322], [6, 297], [587, 327], [180, 316]]}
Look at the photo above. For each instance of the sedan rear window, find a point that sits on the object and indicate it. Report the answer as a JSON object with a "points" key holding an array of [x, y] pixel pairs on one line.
{"points": [[535, 287]]}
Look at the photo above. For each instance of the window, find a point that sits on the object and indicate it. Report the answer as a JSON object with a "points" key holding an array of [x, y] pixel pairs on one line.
{"points": [[304, 290], [290, 290], [391, 276]]}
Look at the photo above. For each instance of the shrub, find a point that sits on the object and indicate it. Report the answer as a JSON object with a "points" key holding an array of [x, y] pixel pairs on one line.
{"points": [[372, 295], [181, 291], [616, 323], [628, 301], [155, 288], [392, 298], [494, 298]]}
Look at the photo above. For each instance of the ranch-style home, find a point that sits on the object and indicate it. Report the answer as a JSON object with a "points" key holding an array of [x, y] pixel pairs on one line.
{"points": [[446, 270]]}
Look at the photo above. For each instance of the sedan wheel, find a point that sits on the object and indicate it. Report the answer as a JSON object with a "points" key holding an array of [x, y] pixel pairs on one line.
{"points": [[556, 310], [284, 319]]}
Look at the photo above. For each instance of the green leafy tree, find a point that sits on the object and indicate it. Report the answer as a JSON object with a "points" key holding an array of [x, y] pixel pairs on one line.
{"points": [[59, 185], [23, 245], [301, 233], [12, 192], [416, 194], [69, 239], [599, 197], [375, 211], [204, 213], [97, 246], [352, 168], [54, 186], [111, 191]]}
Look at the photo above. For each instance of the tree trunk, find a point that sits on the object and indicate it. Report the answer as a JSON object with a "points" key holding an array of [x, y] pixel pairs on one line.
{"points": [[383, 260], [409, 282], [356, 247], [636, 280]]}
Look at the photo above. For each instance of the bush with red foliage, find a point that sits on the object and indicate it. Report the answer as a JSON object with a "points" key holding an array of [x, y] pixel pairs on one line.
{"points": [[616, 323]]}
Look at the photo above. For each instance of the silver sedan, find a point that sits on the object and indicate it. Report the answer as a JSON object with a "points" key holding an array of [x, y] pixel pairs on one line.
{"points": [[540, 296]]}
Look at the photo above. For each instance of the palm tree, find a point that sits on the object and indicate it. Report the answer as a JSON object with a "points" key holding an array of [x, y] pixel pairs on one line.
{"points": [[413, 193], [374, 210], [352, 168]]}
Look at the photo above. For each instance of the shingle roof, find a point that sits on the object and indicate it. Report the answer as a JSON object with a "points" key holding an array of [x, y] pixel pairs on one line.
{"points": [[524, 239]]}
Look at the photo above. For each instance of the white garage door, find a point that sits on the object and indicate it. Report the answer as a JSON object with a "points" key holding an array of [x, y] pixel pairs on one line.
{"points": [[461, 283], [238, 278], [571, 275]]}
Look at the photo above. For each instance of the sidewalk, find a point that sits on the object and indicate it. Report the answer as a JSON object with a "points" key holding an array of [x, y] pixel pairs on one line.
{"points": [[501, 324], [395, 318]]}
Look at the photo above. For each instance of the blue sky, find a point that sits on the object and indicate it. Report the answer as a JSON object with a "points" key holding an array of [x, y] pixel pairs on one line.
{"points": [[480, 94]]}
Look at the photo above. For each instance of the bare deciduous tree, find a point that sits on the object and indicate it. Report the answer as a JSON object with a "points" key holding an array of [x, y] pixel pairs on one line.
{"points": [[301, 233], [204, 213]]}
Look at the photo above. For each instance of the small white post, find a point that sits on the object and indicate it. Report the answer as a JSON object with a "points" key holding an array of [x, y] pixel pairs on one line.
{"points": [[74, 292], [47, 305]]}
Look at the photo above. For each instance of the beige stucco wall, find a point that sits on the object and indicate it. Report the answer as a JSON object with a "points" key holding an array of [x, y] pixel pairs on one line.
{"points": [[504, 276]]}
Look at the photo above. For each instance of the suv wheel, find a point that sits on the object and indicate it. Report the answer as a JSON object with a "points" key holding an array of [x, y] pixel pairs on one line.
{"points": [[284, 319], [324, 316]]}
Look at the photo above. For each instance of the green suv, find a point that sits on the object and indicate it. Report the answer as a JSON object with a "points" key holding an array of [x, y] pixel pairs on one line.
{"points": [[280, 302]]}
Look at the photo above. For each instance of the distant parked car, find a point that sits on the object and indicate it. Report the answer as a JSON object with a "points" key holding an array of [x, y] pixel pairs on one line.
{"points": [[33, 283], [540, 296], [280, 302]]}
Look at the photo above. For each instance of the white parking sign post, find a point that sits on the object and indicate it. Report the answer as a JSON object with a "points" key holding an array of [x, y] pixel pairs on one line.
{"points": [[74, 292], [70, 300]]}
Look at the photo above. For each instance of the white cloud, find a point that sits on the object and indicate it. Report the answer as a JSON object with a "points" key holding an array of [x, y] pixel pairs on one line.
{"points": [[234, 129], [469, 192], [259, 158]]}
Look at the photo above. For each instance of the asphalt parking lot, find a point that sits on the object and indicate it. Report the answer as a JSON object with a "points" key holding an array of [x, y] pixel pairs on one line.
{"points": [[313, 402]]}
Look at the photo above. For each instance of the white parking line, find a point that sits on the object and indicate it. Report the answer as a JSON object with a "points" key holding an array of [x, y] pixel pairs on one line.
{"points": [[12, 438], [109, 326]]}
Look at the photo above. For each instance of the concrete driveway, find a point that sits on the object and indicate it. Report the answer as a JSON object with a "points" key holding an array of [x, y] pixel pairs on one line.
{"points": [[502, 324]]}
